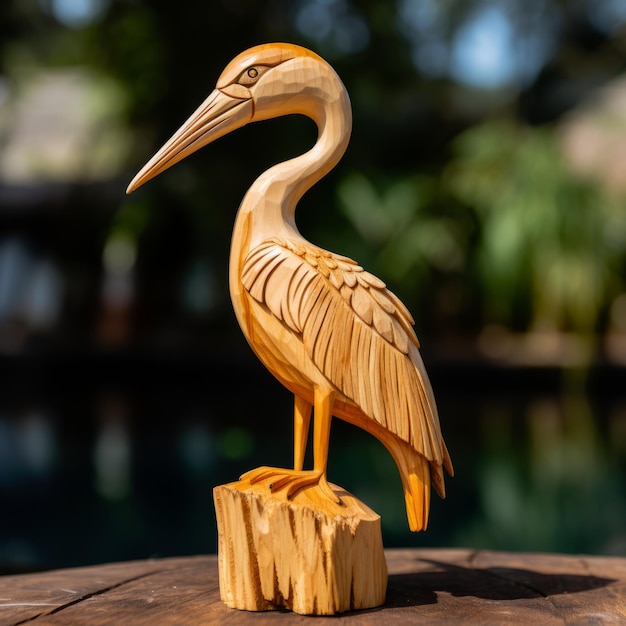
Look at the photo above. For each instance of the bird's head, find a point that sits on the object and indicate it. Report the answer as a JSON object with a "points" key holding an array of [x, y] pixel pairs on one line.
{"points": [[261, 83]]}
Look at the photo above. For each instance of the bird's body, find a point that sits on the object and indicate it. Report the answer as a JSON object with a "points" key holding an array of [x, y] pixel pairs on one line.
{"points": [[328, 330]]}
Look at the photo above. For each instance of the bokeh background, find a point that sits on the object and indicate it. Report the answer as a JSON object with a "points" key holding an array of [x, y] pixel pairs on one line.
{"points": [[485, 182]]}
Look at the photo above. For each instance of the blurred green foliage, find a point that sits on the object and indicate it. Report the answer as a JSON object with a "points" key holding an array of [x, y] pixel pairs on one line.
{"points": [[455, 192], [397, 221], [552, 245]]}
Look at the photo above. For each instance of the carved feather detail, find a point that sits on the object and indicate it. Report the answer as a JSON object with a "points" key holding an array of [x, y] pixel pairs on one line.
{"points": [[356, 332], [328, 330]]}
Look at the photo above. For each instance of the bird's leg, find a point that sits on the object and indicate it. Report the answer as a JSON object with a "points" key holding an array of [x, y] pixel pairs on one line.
{"points": [[301, 420], [321, 437], [321, 428], [297, 479]]}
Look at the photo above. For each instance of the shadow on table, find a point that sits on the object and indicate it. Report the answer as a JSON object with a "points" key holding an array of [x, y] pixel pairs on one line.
{"points": [[492, 583]]}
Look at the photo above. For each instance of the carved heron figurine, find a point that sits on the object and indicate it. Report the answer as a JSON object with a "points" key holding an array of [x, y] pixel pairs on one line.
{"points": [[327, 329]]}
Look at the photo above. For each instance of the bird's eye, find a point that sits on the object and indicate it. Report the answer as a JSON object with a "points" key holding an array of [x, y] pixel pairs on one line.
{"points": [[252, 74]]}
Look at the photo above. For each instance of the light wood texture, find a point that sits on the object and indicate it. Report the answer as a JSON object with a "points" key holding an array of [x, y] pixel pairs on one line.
{"points": [[432, 587], [306, 554], [329, 331]]}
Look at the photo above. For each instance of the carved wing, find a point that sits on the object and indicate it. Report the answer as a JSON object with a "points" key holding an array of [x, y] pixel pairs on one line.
{"points": [[356, 332]]}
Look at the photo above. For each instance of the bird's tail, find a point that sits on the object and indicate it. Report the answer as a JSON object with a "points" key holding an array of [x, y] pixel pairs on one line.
{"points": [[415, 474]]}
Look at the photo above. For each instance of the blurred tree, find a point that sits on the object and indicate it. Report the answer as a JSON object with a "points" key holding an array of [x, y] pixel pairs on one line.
{"points": [[420, 73], [550, 252]]}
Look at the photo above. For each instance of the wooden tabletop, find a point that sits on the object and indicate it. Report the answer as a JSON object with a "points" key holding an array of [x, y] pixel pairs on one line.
{"points": [[425, 587]]}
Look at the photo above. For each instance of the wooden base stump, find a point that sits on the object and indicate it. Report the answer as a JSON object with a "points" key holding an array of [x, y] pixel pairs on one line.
{"points": [[306, 554]]}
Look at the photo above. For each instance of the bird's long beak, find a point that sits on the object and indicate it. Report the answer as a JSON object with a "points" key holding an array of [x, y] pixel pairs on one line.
{"points": [[218, 115]]}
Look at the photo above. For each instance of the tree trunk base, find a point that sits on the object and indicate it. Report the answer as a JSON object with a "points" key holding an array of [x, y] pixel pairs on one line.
{"points": [[306, 553]]}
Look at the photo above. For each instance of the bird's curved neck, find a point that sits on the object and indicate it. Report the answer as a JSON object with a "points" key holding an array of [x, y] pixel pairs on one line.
{"points": [[268, 208]]}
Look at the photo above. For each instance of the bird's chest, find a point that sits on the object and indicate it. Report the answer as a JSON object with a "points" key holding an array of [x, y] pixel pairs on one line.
{"points": [[278, 347]]}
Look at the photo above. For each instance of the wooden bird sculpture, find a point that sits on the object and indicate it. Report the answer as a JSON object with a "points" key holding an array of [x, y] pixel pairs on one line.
{"points": [[327, 329]]}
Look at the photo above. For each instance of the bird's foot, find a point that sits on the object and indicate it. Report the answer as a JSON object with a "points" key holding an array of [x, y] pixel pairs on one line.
{"points": [[292, 481]]}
